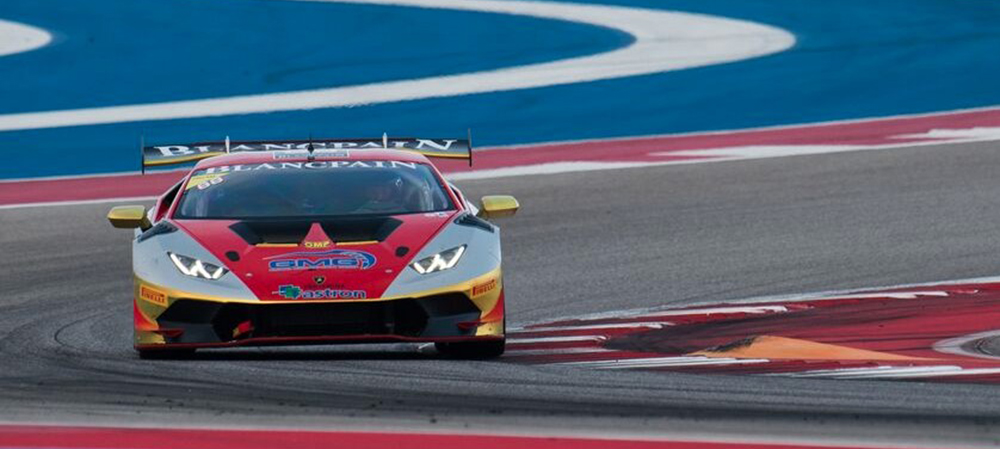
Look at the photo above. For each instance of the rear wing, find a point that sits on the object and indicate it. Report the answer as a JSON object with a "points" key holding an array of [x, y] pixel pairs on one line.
{"points": [[160, 155]]}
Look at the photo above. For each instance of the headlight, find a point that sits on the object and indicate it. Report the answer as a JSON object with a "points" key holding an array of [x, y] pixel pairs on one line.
{"points": [[194, 267], [440, 261]]}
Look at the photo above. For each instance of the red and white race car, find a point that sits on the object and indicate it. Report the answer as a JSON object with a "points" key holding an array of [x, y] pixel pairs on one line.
{"points": [[310, 242]]}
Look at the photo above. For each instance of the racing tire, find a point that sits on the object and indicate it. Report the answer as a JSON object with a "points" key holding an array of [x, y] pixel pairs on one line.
{"points": [[165, 354], [472, 349]]}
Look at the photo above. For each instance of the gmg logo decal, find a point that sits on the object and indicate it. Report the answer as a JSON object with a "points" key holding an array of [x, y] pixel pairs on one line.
{"points": [[335, 259]]}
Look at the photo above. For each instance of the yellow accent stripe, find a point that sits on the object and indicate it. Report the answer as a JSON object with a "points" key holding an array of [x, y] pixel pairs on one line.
{"points": [[180, 160], [432, 154], [462, 287], [360, 242], [277, 245]]}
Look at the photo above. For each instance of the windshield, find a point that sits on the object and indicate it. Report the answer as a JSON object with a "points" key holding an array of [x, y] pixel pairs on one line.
{"points": [[312, 189]]}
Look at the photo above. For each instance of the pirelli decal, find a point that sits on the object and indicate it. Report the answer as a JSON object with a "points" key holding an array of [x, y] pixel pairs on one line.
{"points": [[484, 288], [152, 295]]}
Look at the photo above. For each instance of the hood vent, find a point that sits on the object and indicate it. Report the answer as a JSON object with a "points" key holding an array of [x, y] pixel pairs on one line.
{"points": [[256, 232], [360, 229]]}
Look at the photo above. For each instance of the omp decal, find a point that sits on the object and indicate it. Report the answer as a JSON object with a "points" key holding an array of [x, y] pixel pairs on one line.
{"points": [[310, 166], [317, 244], [662, 41], [289, 291], [337, 259], [482, 289], [153, 295]]}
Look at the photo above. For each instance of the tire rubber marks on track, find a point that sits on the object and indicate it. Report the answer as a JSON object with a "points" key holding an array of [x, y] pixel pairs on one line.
{"points": [[817, 336], [664, 41]]}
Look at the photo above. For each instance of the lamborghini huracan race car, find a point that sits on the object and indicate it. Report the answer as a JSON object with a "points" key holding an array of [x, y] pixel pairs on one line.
{"points": [[312, 242]]}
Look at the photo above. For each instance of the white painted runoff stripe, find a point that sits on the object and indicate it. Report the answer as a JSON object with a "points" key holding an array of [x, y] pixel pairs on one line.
{"points": [[610, 326], [664, 41], [828, 295], [77, 202], [752, 310], [661, 362], [987, 133], [957, 345], [18, 38], [893, 372], [710, 155], [575, 338]]}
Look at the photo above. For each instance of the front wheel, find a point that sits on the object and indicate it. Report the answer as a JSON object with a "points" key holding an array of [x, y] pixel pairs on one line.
{"points": [[472, 349]]}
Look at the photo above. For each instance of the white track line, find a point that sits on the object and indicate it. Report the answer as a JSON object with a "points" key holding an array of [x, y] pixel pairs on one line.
{"points": [[18, 38], [664, 41], [77, 202], [611, 326], [893, 372], [710, 155], [661, 362], [956, 345], [828, 295], [751, 310], [567, 339], [724, 132]]}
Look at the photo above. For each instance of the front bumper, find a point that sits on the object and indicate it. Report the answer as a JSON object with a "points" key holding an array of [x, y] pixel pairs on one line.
{"points": [[187, 321]]}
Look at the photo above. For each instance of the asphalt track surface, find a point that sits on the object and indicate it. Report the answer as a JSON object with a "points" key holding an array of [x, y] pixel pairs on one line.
{"points": [[585, 242]]}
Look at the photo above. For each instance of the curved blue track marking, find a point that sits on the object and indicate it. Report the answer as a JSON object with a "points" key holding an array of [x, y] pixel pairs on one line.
{"points": [[139, 51], [854, 58]]}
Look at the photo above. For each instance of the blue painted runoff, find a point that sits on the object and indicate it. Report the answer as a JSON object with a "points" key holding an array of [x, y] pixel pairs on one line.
{"points": [[854, 58]]}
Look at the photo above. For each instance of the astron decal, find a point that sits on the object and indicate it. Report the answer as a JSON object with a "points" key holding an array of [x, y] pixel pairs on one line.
{"points": [[336, 259], [289, 291], [314, 165]]}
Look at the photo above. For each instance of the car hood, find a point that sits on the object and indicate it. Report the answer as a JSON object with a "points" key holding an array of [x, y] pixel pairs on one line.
{"points": [[322, 259]]}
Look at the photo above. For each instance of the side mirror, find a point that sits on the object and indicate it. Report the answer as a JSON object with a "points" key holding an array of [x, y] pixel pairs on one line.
{"points": [[129, 217], [498, 206]]}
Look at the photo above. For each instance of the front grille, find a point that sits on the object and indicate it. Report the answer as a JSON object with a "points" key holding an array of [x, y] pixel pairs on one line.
{"points": [[403, 318], [205, 322]]}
